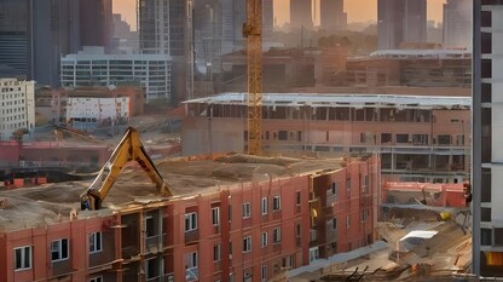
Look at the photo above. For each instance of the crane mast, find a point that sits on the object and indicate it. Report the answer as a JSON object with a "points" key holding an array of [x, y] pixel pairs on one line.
{"points": [[252, 31]]}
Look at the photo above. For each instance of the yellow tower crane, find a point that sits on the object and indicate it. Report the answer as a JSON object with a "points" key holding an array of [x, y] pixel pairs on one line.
{"points": [[252, 31]]}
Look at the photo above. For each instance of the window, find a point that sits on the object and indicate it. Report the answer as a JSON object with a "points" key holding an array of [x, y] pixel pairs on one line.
{"points": [[191, 271], [386, 138], [263, 272], [402, 138], [246, 210], [216, 252], [444, 139], [190, 221], [277, 235], [150, 226], [297, 197], [247, 244], [96, 279], [152, 269], [263, 239], [365, 214], [333, 190], [276, 203], [95, 242], [263, 205], [348, 187], [314, 254], [334, 223], [229, 213], [22, 257], [215, 216], [348, 221], [59, 250]]}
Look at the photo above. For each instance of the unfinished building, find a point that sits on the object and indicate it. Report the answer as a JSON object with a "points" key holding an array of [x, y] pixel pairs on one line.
{"points": [[419, 138], [233, 218]]}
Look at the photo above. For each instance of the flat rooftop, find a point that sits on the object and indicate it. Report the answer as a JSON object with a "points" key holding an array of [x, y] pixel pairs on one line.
{"points": [[341, 100], [32, 207]]}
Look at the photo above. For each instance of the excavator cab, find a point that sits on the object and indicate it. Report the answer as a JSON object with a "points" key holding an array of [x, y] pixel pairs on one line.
{"points": [[129, 149]]}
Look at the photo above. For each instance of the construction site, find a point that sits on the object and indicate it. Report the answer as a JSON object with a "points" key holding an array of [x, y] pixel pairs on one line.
{"points": [[248, 187], [290, 217]]}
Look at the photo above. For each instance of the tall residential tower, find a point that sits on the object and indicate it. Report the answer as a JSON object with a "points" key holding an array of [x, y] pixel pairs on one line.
{"points": [[332, 16], [301, 14], [487, 162], [400, 21], [457, 21], [33, 36]]}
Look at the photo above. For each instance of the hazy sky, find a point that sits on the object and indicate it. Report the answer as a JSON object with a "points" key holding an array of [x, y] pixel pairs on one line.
{"points": [[358, 10]]}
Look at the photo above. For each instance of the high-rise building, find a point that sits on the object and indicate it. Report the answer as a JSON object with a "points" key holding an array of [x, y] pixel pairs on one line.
{"points": [[162, 26], [414, 21], [267, 19], [457, 20], [487, 117], [15, 39], [33, 35], [301, 14], [166, 27], [332, 16], [55, 33], [400, 21], [96, 27], [153, 26]]}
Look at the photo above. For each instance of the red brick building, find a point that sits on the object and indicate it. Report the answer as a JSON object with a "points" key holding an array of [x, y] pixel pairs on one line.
{"points": [[233, 219]]}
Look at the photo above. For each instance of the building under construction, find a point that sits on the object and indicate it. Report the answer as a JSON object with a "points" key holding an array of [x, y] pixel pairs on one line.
{"points": [[232, 218], [419, 138]]}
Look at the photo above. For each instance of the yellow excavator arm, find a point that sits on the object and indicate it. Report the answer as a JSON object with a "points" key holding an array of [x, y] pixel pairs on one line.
{"points": [[129, 149]]}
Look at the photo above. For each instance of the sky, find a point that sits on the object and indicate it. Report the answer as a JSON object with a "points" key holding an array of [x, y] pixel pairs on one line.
{"points": [[357, 10]]}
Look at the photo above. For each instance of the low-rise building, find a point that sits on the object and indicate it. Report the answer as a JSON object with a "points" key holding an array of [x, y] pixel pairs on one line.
{"points": [[234, 218], [92, 67], [406, 67], [419, 138], [17, 107], [54, 104]]}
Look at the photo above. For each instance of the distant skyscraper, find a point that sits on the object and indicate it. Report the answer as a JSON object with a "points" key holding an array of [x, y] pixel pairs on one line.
{"points": [[34, 35], [301, 14], [400, 21], [457, 21], [153, 26], [162, 26], [267, 19], [414, 21], [96, 27], [332, 16], [15, 38], [487, 117]]}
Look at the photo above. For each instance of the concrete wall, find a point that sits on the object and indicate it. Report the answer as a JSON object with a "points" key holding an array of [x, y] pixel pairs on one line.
{"points": [[205, 135]]}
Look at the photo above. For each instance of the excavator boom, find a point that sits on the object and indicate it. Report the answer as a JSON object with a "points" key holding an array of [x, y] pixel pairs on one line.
{"points": [[129, 149]]}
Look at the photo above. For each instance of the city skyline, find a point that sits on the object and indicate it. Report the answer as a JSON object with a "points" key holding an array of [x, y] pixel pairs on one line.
{"points": [[357, 11]]}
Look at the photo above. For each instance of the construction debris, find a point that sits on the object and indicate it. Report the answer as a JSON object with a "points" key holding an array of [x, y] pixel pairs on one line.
{"points": [[418, 248]]}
